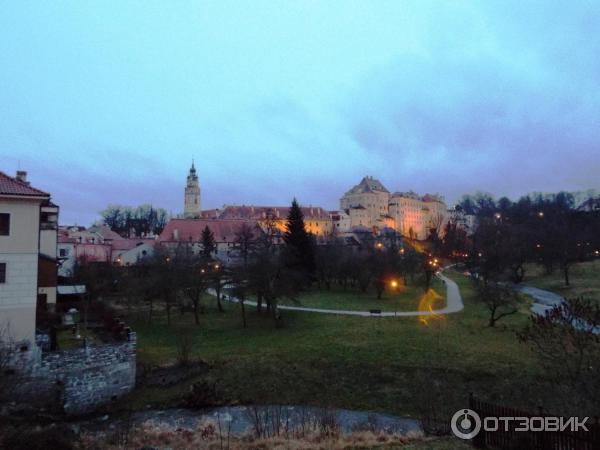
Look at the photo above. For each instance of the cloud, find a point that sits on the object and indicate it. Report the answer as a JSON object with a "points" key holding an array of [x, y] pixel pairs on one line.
{"points": [[480, 121]]}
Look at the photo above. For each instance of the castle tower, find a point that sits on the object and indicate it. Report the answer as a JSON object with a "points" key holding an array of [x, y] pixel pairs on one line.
{"points": [[191, 207]]}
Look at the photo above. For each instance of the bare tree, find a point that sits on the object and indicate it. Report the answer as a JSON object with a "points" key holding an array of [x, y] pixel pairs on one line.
{"points": [[244, 241], [184, 345], [501, 301], [567, 342]]}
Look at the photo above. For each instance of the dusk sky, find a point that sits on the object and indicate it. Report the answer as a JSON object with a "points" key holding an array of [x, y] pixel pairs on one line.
{"points": [[107, 102]]}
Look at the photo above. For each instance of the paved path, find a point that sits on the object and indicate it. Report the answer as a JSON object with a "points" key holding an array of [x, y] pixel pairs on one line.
{"points": [[454, 304], [542, 300]]}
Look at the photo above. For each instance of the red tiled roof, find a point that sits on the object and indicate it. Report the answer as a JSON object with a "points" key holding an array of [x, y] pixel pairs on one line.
{"points": [[106, 232], [63, 239], [186, 230], [12, 186], [210, 214], [279, 212], [128, 244], [428, 198]]}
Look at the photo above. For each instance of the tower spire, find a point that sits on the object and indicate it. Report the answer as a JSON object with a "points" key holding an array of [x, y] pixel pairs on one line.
{"points": [[192, 194]]}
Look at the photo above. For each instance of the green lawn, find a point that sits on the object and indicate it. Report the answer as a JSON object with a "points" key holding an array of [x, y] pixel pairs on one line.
{"points": [[67, 340], [396, 365], [584, 280], [398, 298]]}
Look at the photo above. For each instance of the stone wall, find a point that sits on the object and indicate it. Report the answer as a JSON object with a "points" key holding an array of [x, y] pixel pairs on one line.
{"points": [[86, 378]]}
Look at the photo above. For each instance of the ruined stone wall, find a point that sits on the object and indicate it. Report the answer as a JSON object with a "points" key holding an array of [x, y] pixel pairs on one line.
{"points": [[89, 377]]}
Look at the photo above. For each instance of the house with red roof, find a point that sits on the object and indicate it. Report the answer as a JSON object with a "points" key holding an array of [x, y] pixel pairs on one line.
{"points": [[317, 220], [28, 237], [188, 232]]}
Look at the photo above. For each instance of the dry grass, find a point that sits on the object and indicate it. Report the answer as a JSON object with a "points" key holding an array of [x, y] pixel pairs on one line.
{"points": [[209, 435]]}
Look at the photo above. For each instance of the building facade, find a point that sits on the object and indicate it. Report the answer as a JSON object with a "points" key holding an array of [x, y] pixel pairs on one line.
{"points": [[27, 234], [188, 233], [317, 220], [369, 205]]}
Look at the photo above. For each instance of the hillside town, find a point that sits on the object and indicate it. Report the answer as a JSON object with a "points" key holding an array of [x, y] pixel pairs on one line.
{"points": [[301, 225], [367, 209]]}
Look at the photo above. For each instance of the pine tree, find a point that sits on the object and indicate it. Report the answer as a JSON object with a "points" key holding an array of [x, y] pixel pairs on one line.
{"points": [[298, 241], [208, 242]]}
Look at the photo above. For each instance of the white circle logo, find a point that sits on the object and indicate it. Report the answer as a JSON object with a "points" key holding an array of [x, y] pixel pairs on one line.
{"points": [[465, 424]]}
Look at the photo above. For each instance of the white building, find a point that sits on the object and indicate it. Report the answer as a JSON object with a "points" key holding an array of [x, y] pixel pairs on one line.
{"points": [[22, 241], [367, 204], [370, 205]]}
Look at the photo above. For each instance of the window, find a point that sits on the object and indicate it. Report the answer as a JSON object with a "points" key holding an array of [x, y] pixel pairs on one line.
{"points": [[63, 252], [2, 272], [4, 224]]}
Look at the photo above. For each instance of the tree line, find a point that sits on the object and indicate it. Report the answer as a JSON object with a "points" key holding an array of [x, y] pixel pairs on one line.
{"points": [[137, 221]]}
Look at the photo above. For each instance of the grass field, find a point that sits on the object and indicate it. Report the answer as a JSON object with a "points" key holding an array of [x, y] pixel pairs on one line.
{"points": [[67, 340], [584, 280], [397, 365], [402, 298]]}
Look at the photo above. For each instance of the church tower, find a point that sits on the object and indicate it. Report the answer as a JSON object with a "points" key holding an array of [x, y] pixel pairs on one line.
{"points": [[191, 207]]}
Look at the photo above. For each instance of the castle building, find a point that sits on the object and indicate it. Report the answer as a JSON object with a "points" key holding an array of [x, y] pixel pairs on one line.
{"points": [[414, 216], [369, 205], [316, 219], [191, 208]]}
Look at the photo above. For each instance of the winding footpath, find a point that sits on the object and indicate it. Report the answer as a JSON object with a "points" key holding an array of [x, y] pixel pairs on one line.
{"points": [[454, 304]]}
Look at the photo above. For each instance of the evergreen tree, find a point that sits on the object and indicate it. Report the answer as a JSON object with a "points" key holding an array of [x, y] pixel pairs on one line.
{"points": [[299, 243], [208, 242]]}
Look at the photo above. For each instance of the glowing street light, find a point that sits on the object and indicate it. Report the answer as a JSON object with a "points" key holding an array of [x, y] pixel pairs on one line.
{"points": [[394, 284], [541, 214]]}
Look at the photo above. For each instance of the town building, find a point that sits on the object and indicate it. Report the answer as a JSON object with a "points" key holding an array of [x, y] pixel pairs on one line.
{"points": [[415, 216], [188, 233], [28, 223], [369, 205], [317, 220], [77, 244], [98, 244]]}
